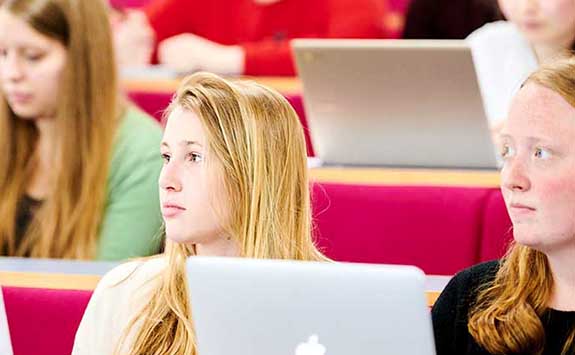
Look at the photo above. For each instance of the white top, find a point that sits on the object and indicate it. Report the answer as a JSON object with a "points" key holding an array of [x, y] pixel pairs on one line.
{"points": [[120, 295], [503, 60]]}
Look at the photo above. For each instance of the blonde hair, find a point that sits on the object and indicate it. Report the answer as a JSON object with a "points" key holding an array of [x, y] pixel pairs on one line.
{"points": [[66, 225], [506, 317], [256, 137]]}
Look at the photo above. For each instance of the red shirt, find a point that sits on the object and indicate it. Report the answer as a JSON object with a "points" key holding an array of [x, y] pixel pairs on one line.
{"points": [[264, 31]]}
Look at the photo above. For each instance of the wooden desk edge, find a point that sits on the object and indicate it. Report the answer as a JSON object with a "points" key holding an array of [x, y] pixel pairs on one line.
{"points": [[406, 177], [86, 282], [431, 297], [49, 280]]}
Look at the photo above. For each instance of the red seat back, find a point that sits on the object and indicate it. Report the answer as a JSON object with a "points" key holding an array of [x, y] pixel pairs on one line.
{"points": [[43, 321], [439, 229]]}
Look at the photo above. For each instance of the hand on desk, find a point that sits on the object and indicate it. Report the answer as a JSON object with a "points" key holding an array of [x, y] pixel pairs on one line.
{"points": [[188, 52], [133, 38]]}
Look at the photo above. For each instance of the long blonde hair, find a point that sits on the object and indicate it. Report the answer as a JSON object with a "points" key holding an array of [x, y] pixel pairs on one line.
{"points": [[67, 223], [506, 317], [255, 135]]}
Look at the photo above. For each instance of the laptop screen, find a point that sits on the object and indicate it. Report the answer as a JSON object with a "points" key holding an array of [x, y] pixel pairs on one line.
{"points": [[383, 103]]}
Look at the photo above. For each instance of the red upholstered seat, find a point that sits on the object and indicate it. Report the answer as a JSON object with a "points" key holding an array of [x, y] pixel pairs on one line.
{"points": [[153, 103], [43, 321], [497, 231], [438, 229]]}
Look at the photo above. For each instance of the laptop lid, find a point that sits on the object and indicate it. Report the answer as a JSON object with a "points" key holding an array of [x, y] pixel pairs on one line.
{"points": [[270, 307], [413, 103], [5, 342]]}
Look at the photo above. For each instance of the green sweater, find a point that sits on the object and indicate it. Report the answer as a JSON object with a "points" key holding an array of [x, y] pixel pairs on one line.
{"points": [[132, 218]]}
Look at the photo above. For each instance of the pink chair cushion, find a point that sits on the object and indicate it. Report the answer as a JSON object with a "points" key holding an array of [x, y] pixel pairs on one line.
{"points": [[43, 321], [497, 231], [438, 229], [154, 103]]}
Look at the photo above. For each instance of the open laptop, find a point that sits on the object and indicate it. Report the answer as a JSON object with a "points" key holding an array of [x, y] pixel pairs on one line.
{"points": [[5, 343], [265, 307], [413, 103]]}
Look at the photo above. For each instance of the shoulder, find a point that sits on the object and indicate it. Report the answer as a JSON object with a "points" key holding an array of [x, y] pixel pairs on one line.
{"points": [[482, 271], [136, 148], [497, 32], [462, 289], [451, 310], [123, 291], [122, 281], [468, 281], [493, 43], [496, 40], [119, 296], [138, 130]]}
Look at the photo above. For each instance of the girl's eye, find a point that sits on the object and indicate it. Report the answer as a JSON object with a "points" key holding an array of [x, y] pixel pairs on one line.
{"points": [[195, 157], [506, 151], [541, 153], [34, 57], [165, 157]]}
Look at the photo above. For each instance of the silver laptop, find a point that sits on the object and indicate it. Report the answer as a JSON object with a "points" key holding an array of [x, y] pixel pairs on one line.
{"points": [[413, 103], [5, 343], [264, 307]]}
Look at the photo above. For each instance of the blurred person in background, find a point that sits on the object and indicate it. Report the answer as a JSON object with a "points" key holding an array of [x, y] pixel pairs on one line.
{"points": [[507, 52], [78, 166], [235, 37]]}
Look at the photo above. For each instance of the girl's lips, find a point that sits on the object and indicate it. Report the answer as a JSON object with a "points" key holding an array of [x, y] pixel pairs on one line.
{"points": [[518, 209], [19, 98], [531, 25], [171, 210]]}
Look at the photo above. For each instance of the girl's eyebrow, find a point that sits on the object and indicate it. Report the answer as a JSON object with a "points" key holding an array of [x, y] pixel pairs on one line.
{"points": [[530, 139], [185, 143]]}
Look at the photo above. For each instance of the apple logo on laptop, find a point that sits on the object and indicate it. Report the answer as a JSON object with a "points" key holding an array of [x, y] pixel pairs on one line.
{"points": [[311, 347]]}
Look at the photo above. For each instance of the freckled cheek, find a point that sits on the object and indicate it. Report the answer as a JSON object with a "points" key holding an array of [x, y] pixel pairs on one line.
{"points": [[557, 197]]}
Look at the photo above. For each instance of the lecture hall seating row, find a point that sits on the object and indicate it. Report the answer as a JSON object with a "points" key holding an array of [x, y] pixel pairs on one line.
{"points": [[441, 229]]}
